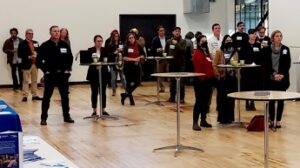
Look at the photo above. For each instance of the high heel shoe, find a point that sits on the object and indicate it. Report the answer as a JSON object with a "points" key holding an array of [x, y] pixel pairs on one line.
{"points": [[123, 97], [131, 100]]}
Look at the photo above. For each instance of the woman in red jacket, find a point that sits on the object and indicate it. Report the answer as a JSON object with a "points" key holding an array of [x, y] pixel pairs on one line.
{"points": [[203, 85]]}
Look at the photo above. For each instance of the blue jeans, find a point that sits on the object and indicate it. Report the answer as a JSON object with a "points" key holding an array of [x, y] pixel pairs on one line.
{"points": [[114, 72]]}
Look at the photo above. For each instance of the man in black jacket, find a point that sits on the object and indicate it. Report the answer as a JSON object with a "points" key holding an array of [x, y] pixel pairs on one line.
{"points": [[27, 51], [55, 59]]}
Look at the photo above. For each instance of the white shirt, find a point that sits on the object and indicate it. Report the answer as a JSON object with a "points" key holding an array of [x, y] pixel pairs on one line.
{"points": [[162, 41], [214, 44]]}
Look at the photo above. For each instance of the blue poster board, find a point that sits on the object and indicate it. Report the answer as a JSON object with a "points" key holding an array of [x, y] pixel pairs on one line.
{"points": [[11, 154]]}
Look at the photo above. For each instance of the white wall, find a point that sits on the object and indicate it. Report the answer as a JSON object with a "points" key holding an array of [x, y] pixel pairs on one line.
{"points": [[284, 16], [85, 18]]}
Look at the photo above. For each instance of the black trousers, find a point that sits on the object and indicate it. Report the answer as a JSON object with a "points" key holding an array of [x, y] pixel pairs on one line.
{"points": [[133, 78], [95, 91], [203, 92], [61, 80], [14, 68], [275, 85], [225, 104]]}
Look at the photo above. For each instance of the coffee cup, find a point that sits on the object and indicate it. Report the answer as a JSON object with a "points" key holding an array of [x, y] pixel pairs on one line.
{"points": [[105, 59], [95, 58], [242, 62], [234, 63], [164, 54]]}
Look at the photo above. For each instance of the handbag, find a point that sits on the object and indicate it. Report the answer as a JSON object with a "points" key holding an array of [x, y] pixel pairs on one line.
{"points": [[257, 123]]}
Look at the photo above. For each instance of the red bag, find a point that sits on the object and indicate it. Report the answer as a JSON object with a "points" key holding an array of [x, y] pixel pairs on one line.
{"points": [[257, 123]]}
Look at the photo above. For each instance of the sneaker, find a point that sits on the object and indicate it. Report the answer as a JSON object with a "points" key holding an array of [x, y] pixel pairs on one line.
{"points": [[43, 122], [205, 124], [37, 98], [105, 113], [24, 99], [69, 120], [196, 127]]}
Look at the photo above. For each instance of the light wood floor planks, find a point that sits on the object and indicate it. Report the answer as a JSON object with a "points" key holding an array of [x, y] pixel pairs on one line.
{"points": [[129, 141]]}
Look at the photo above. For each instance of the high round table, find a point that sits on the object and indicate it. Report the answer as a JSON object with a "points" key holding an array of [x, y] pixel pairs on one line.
{"points": [[157, 59], [178, 75], [238, 75], [265, 96], [99, 65]]}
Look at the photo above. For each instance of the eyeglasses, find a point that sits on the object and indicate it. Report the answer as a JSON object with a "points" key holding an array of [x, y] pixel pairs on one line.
{"points": [[99, 40]]}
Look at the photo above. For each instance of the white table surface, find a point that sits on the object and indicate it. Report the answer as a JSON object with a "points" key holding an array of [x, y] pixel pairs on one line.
{"points": [[51, 156], [265, 95], [177, 74]]}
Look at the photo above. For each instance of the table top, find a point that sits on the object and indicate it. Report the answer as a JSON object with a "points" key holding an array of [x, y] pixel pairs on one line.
{"points": [[177, 74], [265, 95], [237, 66], [298, 62], [52, 158], [159, 57], [99, 63], [9, 119]]}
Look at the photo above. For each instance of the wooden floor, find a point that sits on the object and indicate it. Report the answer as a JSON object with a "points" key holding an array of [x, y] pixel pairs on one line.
{"points": [[129, 141]]}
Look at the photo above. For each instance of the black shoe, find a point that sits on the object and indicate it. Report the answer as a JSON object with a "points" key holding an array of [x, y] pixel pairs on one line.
{"points": [[171, 100], [94, 114], [196, 127], [205, 124], [69, 120], [43, 122], [105, 113], [182, 101], [131, 100], [37, 98], [123, 97], [24, 99]]}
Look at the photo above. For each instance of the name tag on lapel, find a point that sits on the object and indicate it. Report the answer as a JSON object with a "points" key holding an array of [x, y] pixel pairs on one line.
{"points": [[63, 50]]}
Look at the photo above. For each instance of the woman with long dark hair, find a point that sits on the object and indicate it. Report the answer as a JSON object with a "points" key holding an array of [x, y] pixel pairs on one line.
{"points": [[203, 84], [226, 80], [133, 54]]}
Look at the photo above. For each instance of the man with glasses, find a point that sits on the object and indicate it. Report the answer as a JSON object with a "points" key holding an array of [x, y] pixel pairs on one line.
{"points": [[27, 51]]}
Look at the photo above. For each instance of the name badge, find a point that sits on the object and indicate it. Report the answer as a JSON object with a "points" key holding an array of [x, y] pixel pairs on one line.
{"points": [[265, 42], [63, 50], [284, 51], [227, 56], [35, 45], [239, 38], [255, 49], [172, 47], [120, 46], [130, 50]]}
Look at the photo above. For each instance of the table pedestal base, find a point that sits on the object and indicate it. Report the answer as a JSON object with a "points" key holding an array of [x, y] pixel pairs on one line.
{"points": [[179, 148], [103, 117]]}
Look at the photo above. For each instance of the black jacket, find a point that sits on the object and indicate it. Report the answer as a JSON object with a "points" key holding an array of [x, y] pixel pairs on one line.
{"points": [[93, 73], [24, 52], [284, 67], [54, 58], [155, 44]]}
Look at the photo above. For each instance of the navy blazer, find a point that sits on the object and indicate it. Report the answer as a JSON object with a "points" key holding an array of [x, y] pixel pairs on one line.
{"points": [[24, 52], [155, 44], [93, 73]]}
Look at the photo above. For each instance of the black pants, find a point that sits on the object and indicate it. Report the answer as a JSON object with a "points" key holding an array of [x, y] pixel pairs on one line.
{"points": [[275, 85], [225, 104], [14, 68], [61, 81], [95, 91], [133, 78], [203, 92]]}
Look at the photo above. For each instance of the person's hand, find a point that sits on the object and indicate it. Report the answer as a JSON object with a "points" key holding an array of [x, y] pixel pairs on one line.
{"points": [[120, 49], [159, 50], [174, 42], [278, 77]]}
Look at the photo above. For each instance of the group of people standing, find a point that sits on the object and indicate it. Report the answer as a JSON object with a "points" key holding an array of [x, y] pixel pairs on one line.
{"points": [[194, 53]]}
